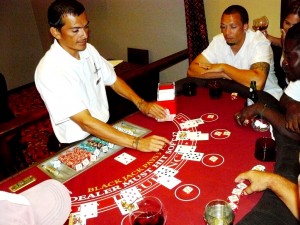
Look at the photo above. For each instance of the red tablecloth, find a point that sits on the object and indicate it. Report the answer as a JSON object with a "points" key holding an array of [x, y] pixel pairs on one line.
{"points": [[234, 150]]}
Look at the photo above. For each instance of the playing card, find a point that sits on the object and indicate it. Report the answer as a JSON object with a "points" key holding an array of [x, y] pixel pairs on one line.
{"points": [[165, 171], [182, 135], [181, 149], [89, 210], [130, 194], [168, 182], [194, 156], [125, 158], [77, 219], [123, 206], [188, 124]]}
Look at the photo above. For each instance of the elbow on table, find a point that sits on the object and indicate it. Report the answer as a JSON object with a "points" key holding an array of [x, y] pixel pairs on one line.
{"points": [[192, 73]]}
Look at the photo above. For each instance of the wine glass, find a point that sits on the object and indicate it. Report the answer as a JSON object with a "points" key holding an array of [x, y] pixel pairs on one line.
{"points": [[260, 124], [149, 210], [260, 23]]}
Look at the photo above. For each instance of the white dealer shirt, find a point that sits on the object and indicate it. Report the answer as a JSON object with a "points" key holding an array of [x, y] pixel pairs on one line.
{"points": [[68, 86], [256, 48]]}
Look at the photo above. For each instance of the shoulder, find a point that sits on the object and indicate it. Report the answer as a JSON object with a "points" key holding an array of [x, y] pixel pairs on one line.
{"points": [[256, 37]]}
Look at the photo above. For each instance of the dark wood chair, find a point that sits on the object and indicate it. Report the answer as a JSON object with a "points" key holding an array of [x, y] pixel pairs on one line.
{"points": [[12, 158], [138, 56]]}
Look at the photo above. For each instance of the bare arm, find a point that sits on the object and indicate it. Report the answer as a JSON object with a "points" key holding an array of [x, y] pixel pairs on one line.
{"points": [[148, 108], [112, 135], [202, 68], [286, 190], [292, 115], [275, 118]]}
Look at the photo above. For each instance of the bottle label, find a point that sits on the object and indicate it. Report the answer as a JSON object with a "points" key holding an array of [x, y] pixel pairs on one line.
{"points": [[249, 102]]}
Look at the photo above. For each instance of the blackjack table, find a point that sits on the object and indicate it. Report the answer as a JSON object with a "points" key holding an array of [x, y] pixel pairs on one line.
{"points": [[205, 170]]}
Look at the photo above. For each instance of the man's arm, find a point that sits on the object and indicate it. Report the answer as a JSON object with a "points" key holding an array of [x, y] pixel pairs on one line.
{"points": [[112, 135], [275, 118], [148, 108], [292, 115], [286, 190], [202, 68]]}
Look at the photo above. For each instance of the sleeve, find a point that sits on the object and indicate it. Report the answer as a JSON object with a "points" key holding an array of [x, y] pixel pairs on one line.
{"points": [[293, 90], [210, 52], [60, 93], [262, 51]]}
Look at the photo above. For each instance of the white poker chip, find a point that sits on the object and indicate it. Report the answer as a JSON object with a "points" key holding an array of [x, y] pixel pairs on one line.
{"points": [[237, 191], [259, 168], [234, 199], [241, 185], [187, 189], [233, 206]]}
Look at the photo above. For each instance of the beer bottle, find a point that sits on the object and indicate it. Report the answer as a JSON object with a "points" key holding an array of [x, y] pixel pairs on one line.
{"points": [[252, 96]]}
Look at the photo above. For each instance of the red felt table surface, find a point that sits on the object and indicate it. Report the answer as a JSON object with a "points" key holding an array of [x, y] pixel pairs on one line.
{"points": [[235, 153]]}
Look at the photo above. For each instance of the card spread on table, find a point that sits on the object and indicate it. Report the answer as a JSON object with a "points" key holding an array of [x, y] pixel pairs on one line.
{"points": [[181, 149], [77, 219], [190, 135], [123, 206], [194, 156], [191, 123], [125, 158], [165, 171], [89, 210], [130, 194], [168, 182]]}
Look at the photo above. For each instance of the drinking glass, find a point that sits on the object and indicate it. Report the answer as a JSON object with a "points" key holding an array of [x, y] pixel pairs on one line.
{"points": [[260, 124], [260, 23], [215, 89], [265, 149], [218, 212], [150, 211]]}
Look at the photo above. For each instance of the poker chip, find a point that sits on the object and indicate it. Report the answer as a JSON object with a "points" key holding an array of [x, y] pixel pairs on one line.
{"points": [[237, 191], [259, 168], [234, 96]]}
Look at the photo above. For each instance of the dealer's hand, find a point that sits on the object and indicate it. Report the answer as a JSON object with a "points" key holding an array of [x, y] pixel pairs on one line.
{"points": [[152, 143], [152, 109]]}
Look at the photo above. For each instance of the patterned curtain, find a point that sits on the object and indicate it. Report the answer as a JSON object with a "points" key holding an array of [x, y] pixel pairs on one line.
{"points": [[196, 27]]}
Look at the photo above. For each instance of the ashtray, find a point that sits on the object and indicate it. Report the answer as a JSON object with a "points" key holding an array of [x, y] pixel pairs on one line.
{"points": [[260, 125]]}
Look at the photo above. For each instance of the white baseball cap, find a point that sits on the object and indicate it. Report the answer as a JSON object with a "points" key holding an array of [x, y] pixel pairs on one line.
{"points": [[47, 203]]}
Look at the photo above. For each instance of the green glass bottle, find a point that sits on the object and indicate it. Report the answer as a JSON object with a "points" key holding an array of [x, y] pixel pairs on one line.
{"points": [[252, 96]]}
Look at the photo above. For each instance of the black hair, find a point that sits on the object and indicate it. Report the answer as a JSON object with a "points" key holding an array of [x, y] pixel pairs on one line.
{"points": [[59, 8], [294, 34], [240, 10]]}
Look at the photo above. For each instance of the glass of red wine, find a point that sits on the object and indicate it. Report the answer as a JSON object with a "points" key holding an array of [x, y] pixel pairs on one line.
{"points": [[149, 210], [260, 23]]}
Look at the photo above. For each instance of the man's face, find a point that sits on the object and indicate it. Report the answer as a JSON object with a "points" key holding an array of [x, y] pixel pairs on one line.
{"points": [[73, 36], [233, 29], [291, 62]]}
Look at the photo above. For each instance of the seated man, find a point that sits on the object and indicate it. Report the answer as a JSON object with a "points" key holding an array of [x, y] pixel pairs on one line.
{"points": [[71, 79], [281, 186], [238, 54]]}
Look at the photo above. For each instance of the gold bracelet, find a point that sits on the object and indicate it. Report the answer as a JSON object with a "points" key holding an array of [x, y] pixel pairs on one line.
{"points": [[135, 142]]}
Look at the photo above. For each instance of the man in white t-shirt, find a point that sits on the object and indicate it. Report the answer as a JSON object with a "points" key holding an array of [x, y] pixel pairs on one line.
{"points": [[71, 79], [238, 54]]}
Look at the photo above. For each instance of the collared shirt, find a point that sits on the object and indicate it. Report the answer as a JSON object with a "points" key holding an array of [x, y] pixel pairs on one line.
{"points": [[256, 48], [68, 86]]}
